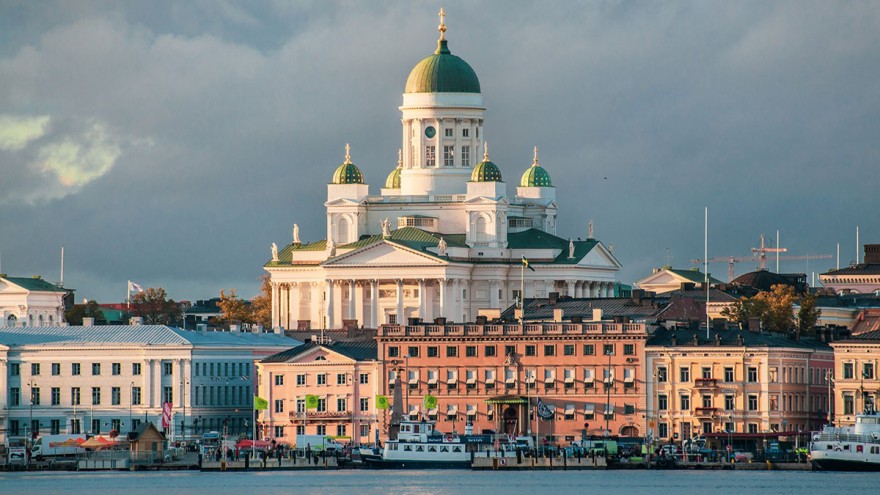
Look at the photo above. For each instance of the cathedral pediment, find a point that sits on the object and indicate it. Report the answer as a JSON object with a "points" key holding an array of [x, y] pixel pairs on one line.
{"points": [[385, 254], [599, 256], [483, 200], [343, 202]]}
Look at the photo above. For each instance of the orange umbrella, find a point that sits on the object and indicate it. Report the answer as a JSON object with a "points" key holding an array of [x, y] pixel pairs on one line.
{"points": [[97, 442]]}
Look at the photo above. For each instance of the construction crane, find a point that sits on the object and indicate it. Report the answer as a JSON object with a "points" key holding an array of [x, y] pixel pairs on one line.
{"points": [[759, 255]]}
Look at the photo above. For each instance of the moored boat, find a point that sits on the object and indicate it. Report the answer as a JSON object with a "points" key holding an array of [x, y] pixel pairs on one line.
{"points": [[848, 448]]}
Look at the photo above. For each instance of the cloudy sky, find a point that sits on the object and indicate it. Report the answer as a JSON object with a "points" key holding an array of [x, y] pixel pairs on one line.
{"points": [[171, 143]]}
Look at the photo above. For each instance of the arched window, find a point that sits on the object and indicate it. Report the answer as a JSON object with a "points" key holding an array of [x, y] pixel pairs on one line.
{"points": [[342, 229], [30, 320], [482, 230], [40, 320], [10, 320]]}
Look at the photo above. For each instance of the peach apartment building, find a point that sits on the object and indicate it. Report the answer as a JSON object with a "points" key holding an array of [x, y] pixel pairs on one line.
{"points": [[856, 385]]}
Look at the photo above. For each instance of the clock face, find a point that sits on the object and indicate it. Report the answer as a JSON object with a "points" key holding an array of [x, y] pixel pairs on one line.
{"points": [[430, 131]]}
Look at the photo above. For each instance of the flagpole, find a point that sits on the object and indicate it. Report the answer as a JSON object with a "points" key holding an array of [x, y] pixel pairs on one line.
{"points": [[128, 295], [254, 427], [522, 293]]}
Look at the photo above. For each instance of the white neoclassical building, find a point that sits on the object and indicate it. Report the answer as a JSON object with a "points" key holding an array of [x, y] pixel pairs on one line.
{"points": [[31, 301], [443, 239]]}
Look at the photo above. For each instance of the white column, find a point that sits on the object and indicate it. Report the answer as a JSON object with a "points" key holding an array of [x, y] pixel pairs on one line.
{"points": [[422, 310], [156, 370], [331, 307], [351, 301], [401, 319], [275, 313], [316, 304], [548, 286], [569, 286], [374, 303], [359, 304], [3, 375], [452, 311], [294, 304], [466, 297], [493, 294], [443, 296]]}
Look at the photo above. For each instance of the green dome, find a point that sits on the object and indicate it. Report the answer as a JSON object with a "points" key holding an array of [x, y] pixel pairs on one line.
{"points": [[535, 176], [486, 171], [348, 173], [442, 72], [393, 180]]}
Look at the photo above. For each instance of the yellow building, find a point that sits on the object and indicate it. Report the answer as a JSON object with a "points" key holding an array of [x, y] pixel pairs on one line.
{"points": [[856, 386]]}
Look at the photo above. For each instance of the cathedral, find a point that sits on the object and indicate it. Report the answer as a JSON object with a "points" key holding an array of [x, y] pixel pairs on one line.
{"points": [[443, 239]]}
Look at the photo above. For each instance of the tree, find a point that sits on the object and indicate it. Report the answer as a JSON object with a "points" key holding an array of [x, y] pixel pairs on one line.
{"points": [[154, 307], [261, 305], [773, 308], [91, 309], [808, 314], [256, 311]]}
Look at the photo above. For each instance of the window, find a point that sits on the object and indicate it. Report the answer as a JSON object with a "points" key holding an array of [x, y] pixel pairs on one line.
{"points": [[96, 369], [96, 396], [728, 374], [300, 379], [136, 396], [629, 409], [279, 431], [321, 429], [451, 351], [322, 379], [662, 402], [341, 405], [35, 369], [35, 396], [509, 350], [848, 404], [774, 374], [728, 403], [56, 369], [96, 426], [279, 380], [470, 351], [707, 401], [413, 351], [661, 374], [14, 396], [706, 373], [322, 405], [489, 351], [608, 350], [589, 349], [753, 427], [55, 427], [774, 402], [279, 405], [393, 351], [568, 349], [116, 368], [75, 397], [550, 350], [433, 351], [364, 378], [629, 349], [115, 396], [56, 396], [868, 371], [448, 158], [168, 394], [684, 375], [465, 155], [685, 402], [168, 369], [531, 350], [752, 374], [753, 402], [663, 430], [341, 378], [300, 430], [14, 428], [365, 404], [135, 368], [430, 156]]}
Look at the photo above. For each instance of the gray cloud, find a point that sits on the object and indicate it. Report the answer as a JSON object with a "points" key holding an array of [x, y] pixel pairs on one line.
{"points": [[225, 121]]}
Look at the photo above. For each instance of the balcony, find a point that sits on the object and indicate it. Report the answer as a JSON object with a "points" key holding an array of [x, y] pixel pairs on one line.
{"points": [[705, 383], [326, 415], [705, 412]]}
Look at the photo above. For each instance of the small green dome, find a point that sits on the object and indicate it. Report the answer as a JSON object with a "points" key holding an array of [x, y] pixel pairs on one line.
{"points": [[348, 173], [393, 180], [486, 171], [536, 175], [442, 72]]}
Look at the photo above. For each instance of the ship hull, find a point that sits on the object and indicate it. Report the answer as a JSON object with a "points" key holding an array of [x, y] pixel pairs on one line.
{"points": [[827, 464]]}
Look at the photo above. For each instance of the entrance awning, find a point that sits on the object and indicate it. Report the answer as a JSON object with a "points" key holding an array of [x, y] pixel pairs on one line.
{"points": [[507, 399]]}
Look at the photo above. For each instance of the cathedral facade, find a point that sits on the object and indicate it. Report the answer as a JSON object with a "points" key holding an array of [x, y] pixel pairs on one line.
{"points": [[443, 238]]}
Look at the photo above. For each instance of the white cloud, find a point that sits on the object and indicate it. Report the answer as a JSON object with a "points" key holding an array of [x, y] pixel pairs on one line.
{"points": [[74, 161], [17, 132]]}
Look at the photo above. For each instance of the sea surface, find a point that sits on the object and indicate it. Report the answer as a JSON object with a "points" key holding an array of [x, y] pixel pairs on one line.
{"points": [[365, 482]]}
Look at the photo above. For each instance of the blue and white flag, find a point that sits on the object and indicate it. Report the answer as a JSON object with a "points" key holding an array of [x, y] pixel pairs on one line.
{"points": [[133, 287], [544, 411]]}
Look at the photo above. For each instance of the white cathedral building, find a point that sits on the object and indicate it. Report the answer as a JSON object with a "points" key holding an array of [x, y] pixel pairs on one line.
{"points": [[443, 239]]}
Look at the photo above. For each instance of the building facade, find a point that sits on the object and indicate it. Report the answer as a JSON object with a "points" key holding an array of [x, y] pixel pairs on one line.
{"points": [[591, 375], [32, 302], [96, 379], [858, 278], [344, 376], [443, 239], [735, 381], [856, 385]]}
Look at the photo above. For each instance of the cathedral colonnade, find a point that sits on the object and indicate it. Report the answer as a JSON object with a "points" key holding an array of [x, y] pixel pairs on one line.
{"points": [[370, 302]]}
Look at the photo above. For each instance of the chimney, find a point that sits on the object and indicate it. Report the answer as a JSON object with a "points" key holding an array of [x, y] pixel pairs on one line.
{"points": [[279, 331], [136, 321], [553, 298], [755, 325], [558, 313], [637, 295], [687, 286], [88, 321], [872, 254], [597, 314], [260, 328]]}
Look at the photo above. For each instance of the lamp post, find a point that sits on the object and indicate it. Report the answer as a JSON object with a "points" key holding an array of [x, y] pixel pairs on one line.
{"points": [[608, 382], [130, 403], [31, 384], [184, 383], [829, 377], [406, 385]]}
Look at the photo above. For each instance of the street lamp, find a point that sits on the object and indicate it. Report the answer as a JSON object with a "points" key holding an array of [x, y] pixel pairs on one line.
{"points": [[406, 384], [130, 403], [184, 383], [31, 384], [608, 382]]}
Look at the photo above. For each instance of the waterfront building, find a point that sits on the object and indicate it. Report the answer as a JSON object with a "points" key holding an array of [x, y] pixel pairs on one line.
{"points": [[93, 379], [744, 383], [591, 376], [637, 307], [444, 238], [30, 301], [667, 279], [342, 375], [858, 278], [856, 384]]}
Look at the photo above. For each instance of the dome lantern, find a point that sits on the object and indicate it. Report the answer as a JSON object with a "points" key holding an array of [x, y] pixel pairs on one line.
{"points": [[486, 171], [536, 175], [347, 173]]}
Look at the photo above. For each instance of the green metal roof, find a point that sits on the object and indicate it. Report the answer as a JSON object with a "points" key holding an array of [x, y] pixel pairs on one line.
{"points": [[537, 239], [35, 284], [535, 176], [442, 72], [694, 276], [393, 180], [348, 173], [486, 171]]}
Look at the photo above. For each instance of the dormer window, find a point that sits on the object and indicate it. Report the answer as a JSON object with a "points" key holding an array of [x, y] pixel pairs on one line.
{"points": [[418, 221]]}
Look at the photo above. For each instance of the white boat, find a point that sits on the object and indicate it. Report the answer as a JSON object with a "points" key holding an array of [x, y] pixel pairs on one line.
{"points": [[418, 445], [848, 448]]}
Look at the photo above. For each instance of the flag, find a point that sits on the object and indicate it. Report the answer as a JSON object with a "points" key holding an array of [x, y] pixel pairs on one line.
{"points": [[311, 401], [133, 287], [430, 402], [382, 402], [544, 411], [260, 404], [525, 263], [166, 415]]}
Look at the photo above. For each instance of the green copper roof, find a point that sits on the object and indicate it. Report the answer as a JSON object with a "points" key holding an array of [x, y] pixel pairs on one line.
{"points": [[486, 171], [442, 72], [34, 284], [393, 180], [348, 173], [535, 176]]}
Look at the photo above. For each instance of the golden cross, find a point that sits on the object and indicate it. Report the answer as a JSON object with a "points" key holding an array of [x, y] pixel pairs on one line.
{"points": [[442, 26], [347, 153]]}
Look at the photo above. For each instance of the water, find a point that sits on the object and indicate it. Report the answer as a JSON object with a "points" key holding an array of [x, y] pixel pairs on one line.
{"points": [[363, 482]]}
